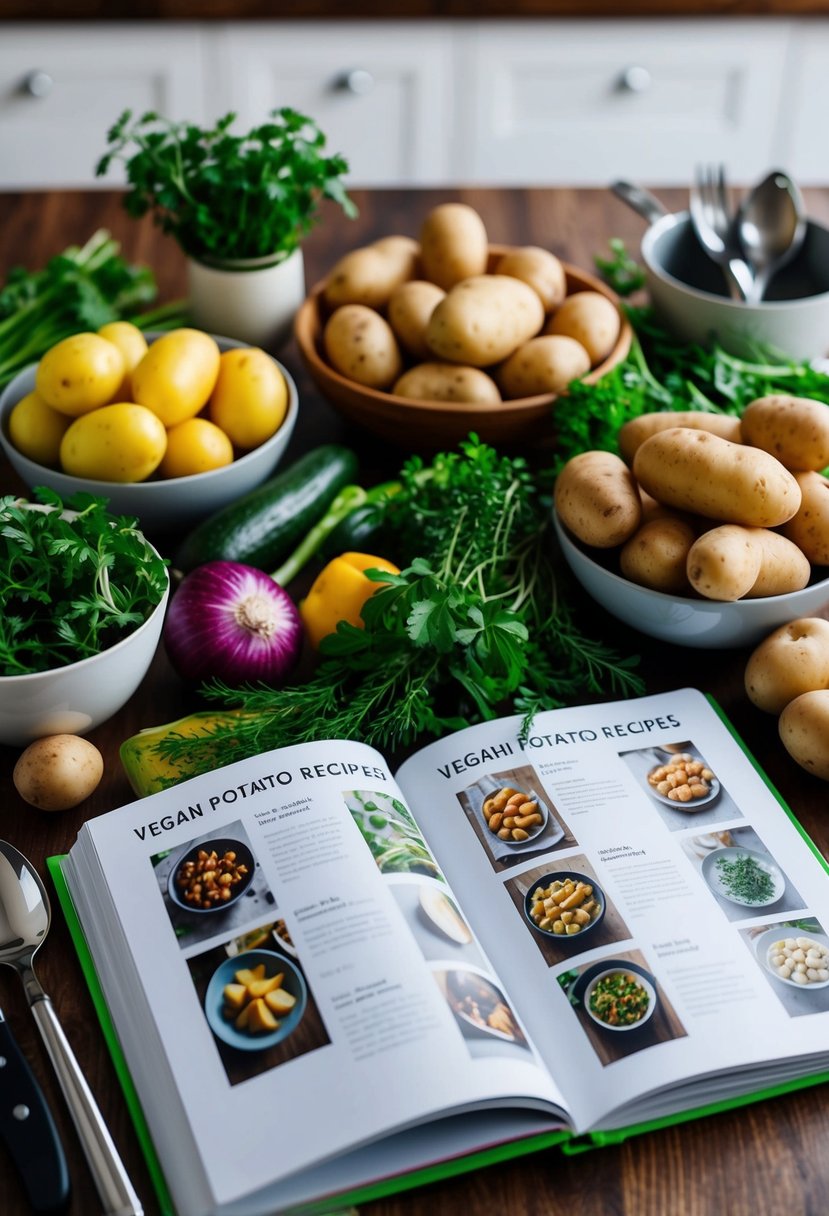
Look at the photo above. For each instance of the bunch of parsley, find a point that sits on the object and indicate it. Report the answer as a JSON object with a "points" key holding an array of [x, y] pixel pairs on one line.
{"points": [[70, 586]]}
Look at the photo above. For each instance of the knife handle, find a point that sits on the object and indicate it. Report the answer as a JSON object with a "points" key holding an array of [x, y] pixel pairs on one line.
{"points": [[28, 1130]]}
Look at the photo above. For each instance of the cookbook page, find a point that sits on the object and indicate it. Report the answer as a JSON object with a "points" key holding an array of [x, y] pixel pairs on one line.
{"points": [[652, 908], [303, 960]]}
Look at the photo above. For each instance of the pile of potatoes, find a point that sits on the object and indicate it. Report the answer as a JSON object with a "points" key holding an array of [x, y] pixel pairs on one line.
{"points": [[426, 321], [708, 505]]}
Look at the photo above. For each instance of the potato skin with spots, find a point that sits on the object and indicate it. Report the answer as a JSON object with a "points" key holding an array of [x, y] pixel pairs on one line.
{"points": [[483, 320], [546, 364], [794, 429], [410, 307], [809, 528], [804, 731], [597, 499], [733, 562], [539, 269], [656, 555], [634, 432], [792, 660], [360, 344], [453, 244], [448, 382], [58, 772], [591, 319]]}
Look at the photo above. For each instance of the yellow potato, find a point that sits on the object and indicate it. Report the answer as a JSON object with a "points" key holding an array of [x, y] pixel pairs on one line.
{"points": [[409, 309], [177, 375], [79, 374], [250, 398], [634, 433], [783, 567], [656, 555], [453, 244], [794, 429], [546, 364], [792, 660], [403, 251], [596, 498], [369, 275], [58, 772], [133, 346], [483, 320], [539, 269], [122, 442], [591, 319], [195, 446], [724, 562], [702, 473], [804, 729], [448, 382], [36, 430], [361, 345], [809, 528]]}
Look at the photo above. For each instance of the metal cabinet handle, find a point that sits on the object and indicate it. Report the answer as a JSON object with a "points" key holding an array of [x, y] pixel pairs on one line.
{"points": [[357, 81], [635, 79], [37, 83]]}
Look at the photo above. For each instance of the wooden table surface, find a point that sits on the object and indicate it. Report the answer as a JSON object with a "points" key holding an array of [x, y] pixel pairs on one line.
{"points": [[768, 1158]]}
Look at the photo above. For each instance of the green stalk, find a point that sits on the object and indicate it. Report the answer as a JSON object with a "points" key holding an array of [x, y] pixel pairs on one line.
{"points": [[348, 499]]}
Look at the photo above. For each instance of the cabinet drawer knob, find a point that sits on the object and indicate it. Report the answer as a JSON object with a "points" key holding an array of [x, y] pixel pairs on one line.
{"points": [[635, 79], [357, 81], [37, 84]]}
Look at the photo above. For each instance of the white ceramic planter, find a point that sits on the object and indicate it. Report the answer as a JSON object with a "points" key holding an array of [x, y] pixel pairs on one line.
{"points": [[253, 300]]}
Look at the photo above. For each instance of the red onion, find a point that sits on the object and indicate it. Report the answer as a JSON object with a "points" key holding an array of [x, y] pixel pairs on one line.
{"points": [[234, 623]]}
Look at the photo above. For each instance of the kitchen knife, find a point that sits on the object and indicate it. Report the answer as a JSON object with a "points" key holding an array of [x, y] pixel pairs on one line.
{"points": [[28, 1130]]}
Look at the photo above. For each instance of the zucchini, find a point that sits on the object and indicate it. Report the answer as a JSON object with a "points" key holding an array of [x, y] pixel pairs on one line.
{"points": [[263, 527]]}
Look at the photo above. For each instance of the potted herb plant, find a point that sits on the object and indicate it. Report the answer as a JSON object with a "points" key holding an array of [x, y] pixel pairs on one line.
{"points": [[238, 206]]}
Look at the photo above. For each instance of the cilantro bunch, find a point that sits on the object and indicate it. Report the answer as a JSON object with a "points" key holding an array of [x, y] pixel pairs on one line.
{"points": [[70, 586], [222, 195]]}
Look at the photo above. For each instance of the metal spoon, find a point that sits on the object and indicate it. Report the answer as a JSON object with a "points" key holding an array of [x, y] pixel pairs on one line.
{"points": [[772, 225], [25, 917]]}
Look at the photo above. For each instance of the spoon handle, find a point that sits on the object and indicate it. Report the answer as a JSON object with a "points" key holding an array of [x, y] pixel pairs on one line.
{"points": [[114, 1187]]}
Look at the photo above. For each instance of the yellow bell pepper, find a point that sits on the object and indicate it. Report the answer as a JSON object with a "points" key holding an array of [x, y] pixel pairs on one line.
{"points": [[339, 592], [147, 771]]}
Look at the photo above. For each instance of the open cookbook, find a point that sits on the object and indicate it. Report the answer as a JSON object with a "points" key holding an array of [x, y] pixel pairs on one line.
{"points": [[322, 981]]}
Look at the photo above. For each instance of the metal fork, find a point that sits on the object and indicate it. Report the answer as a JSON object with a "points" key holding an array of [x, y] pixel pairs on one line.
{"points": [[714, 227]]}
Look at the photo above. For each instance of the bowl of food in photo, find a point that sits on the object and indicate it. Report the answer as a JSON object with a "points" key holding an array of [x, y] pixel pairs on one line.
{"points": [[479, 1005], [743, 876], [795, 957], [514, 817], [565, 905], [226, 414], [619, 998], [684, 782], [211, 876], [255, 1000]]}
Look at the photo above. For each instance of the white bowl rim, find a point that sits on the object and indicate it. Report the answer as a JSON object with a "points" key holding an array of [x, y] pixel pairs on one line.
{"points": [[665, 223]]}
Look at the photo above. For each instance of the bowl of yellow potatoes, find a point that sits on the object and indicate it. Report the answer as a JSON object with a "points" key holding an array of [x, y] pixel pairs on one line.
{"points": [[168, 427]]}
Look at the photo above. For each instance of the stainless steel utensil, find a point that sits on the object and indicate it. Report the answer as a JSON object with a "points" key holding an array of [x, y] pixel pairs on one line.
{"points": [[25, 917], [771, 224], [641, 200], [715, 228]]}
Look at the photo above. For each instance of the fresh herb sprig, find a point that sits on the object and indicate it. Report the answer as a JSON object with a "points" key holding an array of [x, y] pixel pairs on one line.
{"points": [[70, 587], [221, 195]]}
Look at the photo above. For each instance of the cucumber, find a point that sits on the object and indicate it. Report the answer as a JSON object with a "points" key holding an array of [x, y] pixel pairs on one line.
{"points": [[263, 527]]}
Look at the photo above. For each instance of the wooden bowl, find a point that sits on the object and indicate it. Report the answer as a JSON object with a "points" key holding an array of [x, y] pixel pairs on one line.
{"points": [[431, 424]]}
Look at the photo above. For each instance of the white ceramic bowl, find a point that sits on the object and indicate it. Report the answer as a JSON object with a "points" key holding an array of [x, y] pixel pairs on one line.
{"points": [[643, 982], [158, 504], [688, 622], [689, 294]]}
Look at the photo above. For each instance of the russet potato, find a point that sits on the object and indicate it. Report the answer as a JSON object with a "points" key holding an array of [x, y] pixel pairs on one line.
{"points": [[634, 433], [546, 364], [597, 499], [792, 660], [794, 429], [361, 345], [483, 319], [656, 555]]}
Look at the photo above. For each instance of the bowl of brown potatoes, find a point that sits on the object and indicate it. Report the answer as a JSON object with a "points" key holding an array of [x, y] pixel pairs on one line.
{"points": [[422, 341]]}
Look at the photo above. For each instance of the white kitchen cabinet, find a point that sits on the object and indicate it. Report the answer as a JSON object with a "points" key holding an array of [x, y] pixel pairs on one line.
{"points": [[62, 87], [803, 146]]}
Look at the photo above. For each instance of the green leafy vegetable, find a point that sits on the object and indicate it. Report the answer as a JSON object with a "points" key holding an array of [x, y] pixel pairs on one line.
{"points": [[223, 195], [620, 270], [70, 588], [744, 879]]}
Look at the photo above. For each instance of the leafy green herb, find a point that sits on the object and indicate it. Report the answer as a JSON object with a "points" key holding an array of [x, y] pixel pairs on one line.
{"points": [[82, 288], [621, 271], [223, 195], [70, 587], [744, 879]]}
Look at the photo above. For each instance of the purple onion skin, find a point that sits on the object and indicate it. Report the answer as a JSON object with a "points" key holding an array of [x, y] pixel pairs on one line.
{"points": [[233, 623]]}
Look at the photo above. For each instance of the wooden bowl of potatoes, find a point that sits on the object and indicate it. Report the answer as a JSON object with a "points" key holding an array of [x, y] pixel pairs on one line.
{"points": [[422, 341]]}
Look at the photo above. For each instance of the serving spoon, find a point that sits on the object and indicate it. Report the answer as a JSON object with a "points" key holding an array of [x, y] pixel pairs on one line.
{"points": [[771, 224], [25, 917]]}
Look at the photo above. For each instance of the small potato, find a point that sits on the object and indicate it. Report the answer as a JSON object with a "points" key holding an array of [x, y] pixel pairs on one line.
{"points": [[369, 275], [58, 772], [453, 244], [539, 269], [794, 429], [804, 730], [410, 307], [546, 364], [656, 555], [448, 382], [591, 319], [699, 472], [597, 498], [792, 660], [634, 433], [783, 568], [809, 528], [36, 430], [121, 443], [404, 251], [483, 320], [723, 563], [361, 345], [177, 375], [79, 374]]}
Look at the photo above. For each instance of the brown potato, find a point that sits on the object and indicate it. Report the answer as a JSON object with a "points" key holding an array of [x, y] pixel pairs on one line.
{"points": [[410, 307], [361, 345], [546, 364], [453, 244], [364, 276], [448, 382], [539, 269], [597, 499], [804, 730], [724, 562], [809, 528], [402, 251], [58, 772], [792, 660], [783, 567], [634, 433], [483, 320], [794, 429], [656, 555], [591, 319]]}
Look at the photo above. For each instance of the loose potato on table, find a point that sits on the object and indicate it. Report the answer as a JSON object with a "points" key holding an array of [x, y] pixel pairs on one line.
{"points": [[794, 429], [546, 364], [409, 309], [634, 433], [361, 345], [453, 244], [597, 499], [809, 528], [792, 660], [483, 320], [591, 319], [539, 269], [656, 555], [804, 730], [448, 382]]}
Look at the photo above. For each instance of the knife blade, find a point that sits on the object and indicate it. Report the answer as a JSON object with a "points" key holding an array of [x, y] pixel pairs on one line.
{"points": [[29, 1132]]}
